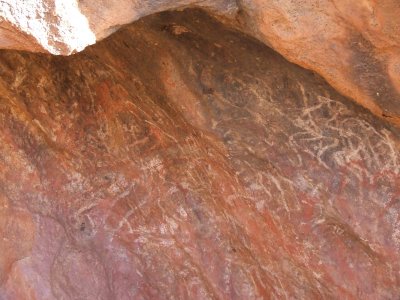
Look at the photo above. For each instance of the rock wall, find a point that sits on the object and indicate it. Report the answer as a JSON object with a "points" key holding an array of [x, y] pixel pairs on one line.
{"points": [[181, 159], [354, 45]]}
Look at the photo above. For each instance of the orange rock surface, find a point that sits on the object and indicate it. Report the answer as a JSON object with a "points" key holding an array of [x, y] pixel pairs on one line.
{"points": [[354, 45], [181, 159]]}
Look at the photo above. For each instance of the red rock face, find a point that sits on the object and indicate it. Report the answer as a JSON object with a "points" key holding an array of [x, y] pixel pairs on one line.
{"points": [[354, 45], [182, 160]]}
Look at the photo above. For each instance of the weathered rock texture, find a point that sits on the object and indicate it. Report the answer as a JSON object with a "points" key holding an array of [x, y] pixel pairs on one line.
{"points": [[182, 160], [355, 45]]}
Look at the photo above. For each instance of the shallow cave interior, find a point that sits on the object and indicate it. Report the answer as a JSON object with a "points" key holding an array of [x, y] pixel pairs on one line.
{"points": [[180, 158]]}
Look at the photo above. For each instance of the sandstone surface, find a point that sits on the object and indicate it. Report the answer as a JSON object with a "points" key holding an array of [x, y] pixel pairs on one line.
{"points": [[354, 45], [182, 159]]}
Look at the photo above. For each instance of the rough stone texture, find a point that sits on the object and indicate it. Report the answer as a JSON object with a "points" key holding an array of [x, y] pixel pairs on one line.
{"points": [[67, 26], [182, 160], [355, 45], [352, 44]]}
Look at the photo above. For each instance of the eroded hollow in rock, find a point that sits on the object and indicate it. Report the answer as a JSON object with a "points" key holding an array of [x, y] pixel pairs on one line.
{"points": [[179, 159]]}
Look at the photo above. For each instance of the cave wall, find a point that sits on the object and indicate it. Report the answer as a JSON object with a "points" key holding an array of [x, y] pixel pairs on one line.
{"points": [[354, 45], [182, 159]]}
